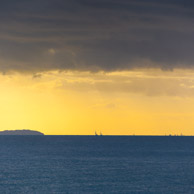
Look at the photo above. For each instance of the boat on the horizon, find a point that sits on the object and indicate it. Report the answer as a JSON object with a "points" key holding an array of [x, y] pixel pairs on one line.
{"points": [[96, 134]]}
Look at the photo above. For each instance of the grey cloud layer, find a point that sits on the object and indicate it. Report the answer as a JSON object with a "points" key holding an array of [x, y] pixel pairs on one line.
{"points": [[96, 35]]}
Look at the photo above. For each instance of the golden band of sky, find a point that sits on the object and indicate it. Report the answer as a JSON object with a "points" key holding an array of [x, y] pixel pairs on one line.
{"points": [[140, 102]]}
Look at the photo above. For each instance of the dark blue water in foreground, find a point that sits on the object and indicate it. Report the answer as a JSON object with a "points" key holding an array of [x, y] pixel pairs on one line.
{"points": [[86, 164]]}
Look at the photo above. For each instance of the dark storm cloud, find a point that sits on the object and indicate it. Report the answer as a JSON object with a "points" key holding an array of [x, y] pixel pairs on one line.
{"points": [[96, 35]]}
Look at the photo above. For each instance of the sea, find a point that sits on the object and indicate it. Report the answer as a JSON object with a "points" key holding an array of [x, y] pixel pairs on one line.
{"points": [[96, 164]]}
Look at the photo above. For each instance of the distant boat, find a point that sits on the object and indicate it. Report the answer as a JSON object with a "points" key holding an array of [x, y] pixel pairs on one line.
{"points": [[96, 134]]}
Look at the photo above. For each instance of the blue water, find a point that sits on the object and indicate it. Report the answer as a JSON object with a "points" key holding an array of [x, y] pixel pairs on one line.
{"points": [[89, 164]]}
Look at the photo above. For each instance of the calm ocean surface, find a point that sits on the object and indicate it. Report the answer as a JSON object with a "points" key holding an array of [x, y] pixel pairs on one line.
{"points": [[90, 164]]}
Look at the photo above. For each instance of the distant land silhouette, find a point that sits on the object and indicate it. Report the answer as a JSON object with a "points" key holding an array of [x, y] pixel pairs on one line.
{"points": [[20, 132]]}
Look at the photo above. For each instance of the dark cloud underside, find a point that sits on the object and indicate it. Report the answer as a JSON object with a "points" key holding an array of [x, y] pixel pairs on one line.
{"points": [[96, 35]]}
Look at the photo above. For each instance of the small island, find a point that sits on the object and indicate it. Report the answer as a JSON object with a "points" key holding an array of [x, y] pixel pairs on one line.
{"points": [[20, 132]]}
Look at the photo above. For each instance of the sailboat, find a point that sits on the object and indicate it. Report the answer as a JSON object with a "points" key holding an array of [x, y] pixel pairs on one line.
{"points": [[96, 134]]}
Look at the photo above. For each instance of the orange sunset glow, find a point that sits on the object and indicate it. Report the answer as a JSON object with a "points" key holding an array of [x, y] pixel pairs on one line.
{"points": [[140, 102]]}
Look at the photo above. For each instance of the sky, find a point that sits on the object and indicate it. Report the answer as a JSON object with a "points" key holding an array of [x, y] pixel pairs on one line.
{"points": [[120, 67]]}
